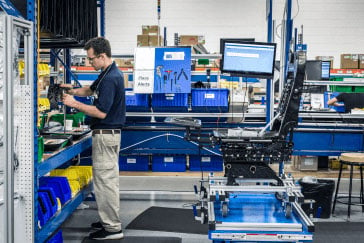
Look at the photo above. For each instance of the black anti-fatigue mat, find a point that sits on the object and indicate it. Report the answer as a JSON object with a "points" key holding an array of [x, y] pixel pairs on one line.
{"points": [[139, 239], [168, 219], [338, 232]]}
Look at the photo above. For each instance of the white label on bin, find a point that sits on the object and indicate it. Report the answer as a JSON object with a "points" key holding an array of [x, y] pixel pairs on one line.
{"points": [[206, 159], [168, 159], [209, 96], [129, 92], [174, 56], [131, 161]]}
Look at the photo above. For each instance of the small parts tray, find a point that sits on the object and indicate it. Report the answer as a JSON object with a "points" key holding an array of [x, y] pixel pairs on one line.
{"points": [[54, 142], [75, 133]]}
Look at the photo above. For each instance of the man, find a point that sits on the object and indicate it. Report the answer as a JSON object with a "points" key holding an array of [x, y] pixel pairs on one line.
{"points": [[350, 100], [107, 118]]}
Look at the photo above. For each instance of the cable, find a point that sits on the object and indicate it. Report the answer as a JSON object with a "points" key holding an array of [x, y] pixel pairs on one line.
{"points": [[166, 135]]}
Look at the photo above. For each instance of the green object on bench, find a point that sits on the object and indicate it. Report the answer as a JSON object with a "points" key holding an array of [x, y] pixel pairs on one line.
{"points": [[77, 118], [203, 61]]}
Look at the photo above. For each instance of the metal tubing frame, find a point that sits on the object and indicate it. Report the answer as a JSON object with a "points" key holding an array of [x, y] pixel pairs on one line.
{"points": [[11, 23]]}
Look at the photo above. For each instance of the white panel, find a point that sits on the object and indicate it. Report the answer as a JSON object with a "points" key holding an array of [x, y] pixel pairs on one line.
{"points": [[331, 27]]}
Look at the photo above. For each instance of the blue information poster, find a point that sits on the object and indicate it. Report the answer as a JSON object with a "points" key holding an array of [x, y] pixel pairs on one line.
{"points": [[162, 70]]}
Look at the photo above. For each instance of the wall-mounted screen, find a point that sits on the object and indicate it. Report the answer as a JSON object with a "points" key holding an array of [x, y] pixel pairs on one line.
{"points": [[248, 59]]}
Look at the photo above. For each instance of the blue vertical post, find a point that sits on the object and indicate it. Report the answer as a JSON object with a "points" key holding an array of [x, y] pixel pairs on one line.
{"points": [[67, 68], [269, 96], [101, 5]]}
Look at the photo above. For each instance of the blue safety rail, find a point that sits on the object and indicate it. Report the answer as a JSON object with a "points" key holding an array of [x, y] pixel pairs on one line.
{"points": [[63, 156], [67, 209]]}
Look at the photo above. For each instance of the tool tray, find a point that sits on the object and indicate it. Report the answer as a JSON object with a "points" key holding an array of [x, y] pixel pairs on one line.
{"points": [[54, 142]]}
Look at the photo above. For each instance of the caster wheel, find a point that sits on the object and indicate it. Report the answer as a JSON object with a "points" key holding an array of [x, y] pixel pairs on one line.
{"points": [[224, 209], [288, 211]]}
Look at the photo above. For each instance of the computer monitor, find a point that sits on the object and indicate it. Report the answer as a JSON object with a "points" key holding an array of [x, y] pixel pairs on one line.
{"points": [[248, 59], [313, 70]]}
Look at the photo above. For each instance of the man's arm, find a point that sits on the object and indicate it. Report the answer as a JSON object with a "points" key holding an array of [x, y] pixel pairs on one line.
{"points": [[333, 102], [83, 91], [89, 110]]}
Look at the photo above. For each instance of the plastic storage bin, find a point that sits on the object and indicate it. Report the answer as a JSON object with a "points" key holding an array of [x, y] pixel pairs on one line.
{"points": [[210, 100], [56, 238], [134, 163], [44, 208], [60, 186], [170, 102], [169, 163], [136, 102], [52, 198], [206, 163]]}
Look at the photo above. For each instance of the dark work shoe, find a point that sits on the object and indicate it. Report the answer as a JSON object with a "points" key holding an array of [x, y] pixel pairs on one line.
{"points": [[97, 225], [102, 234]]}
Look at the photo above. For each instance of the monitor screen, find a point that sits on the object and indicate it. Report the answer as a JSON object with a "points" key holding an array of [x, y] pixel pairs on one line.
{"points": [[248, 59], [325, 66], [313, 70], [223, 40]]}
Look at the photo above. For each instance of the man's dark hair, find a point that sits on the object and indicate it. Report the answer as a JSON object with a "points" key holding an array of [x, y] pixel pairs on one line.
{"points": [[100, 45]]}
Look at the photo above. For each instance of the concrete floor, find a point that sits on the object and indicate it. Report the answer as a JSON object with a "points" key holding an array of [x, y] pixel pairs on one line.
{"points": [[138, 193]]}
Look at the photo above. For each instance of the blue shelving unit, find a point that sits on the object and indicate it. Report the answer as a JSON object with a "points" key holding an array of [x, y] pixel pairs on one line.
{"points": [[64, 156]]}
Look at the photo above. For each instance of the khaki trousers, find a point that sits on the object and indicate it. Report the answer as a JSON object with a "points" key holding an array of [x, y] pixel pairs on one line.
{"points": [[105, 157]]}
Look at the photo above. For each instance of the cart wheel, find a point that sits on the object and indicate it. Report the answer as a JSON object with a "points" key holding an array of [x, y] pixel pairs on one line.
{"points": [[288, 211], [224, 209], [279, 196], [203, 218]]}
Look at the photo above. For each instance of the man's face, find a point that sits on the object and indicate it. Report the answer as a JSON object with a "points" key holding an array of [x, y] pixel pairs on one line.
{"points": [[96, 61]]}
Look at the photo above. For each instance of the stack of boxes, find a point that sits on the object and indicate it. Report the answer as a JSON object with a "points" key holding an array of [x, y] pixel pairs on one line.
{"points": [[349, 61], [191, 40], [150, 36]]}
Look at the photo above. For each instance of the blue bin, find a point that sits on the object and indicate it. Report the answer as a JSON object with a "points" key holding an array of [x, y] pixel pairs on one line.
{"points": [[44, 208], [134, 163], [170, 102], [60, 186], [210, 100], [52, 198], [56, 238], [136, 102], [330, 95], [169, 163], [206, 163]]}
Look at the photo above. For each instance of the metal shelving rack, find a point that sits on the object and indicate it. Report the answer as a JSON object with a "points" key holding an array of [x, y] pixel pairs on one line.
{"points": [[34, 234]]}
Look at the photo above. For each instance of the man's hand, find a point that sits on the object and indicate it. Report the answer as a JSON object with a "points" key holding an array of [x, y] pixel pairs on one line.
{"points": [[68, 100], [68, 88]]}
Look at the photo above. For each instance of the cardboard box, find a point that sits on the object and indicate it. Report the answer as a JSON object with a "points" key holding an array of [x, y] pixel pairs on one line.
{"points": [[190, 40], [143, 40], [124, 63], [150, 29], [361, 61], [305, 163], [326, 58], [153, 40], [349, 61]]}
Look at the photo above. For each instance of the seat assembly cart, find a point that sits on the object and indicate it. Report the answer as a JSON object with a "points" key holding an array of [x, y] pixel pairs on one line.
{"points": [[251, 203]]}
